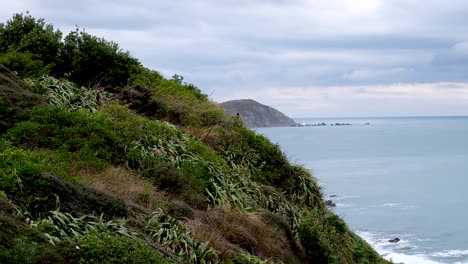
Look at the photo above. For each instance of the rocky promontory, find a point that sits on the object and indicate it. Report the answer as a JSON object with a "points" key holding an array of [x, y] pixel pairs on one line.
{"points": [[255, 114]]}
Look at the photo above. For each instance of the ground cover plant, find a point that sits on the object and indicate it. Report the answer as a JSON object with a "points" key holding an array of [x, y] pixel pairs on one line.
{"points": [[111, 162]]}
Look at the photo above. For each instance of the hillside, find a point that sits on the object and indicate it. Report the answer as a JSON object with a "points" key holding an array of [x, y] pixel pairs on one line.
{"points": [[105, 161], [255, 114]]}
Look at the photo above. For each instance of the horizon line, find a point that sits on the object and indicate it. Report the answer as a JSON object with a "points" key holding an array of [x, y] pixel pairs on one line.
{"points": [[355, 117]]}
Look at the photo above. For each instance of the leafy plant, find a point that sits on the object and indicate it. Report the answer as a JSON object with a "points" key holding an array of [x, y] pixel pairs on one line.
{"points": [[107, 247], [95, 62], [175, 237], [67, 94], [34, 43]]}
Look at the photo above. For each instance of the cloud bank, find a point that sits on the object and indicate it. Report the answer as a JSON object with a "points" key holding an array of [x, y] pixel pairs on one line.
{"points": [[305, 57]]}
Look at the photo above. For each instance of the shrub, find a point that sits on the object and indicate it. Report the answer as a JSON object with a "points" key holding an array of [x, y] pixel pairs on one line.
{"points": [[24, 64], [138, 99], [316, 245], [175, 238], [15, 97], [172, 100], [246, 259], [179, 210], [23, 251], [106, 247], [91, 135], [22, 169], [303, 189], [29, 43], [265, 160], [95, 62], [67, 94]]}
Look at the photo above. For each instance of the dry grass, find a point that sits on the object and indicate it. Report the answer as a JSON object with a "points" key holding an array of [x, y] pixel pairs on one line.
{"points": [[124, 184], [231, 231]]}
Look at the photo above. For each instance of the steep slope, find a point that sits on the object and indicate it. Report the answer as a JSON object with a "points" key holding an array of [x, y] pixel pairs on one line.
{"points": [[15, 96], [255, 114], [151, 172]]}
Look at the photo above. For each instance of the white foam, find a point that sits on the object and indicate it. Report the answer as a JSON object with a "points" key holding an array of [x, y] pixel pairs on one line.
{"points": [[407, 259], [343, 205], [451, 253], [392, 204], [380, 245], [395, 205], [344, 197]]}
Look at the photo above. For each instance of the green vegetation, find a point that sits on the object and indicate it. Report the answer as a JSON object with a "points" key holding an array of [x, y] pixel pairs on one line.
{"points": [[105, 161]]}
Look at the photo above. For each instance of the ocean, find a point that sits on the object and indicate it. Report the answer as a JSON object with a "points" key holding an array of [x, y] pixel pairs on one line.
{"points": [[393, 177]]}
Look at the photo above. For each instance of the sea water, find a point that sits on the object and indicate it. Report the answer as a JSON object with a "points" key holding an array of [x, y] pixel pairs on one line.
{"points": [[393, 177]]}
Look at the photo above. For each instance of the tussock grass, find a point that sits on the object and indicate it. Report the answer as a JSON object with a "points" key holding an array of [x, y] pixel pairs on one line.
{"points": [[124, 184], [232, 231]]}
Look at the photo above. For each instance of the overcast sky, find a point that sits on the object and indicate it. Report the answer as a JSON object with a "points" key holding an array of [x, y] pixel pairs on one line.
{"points": [[307, 58]]}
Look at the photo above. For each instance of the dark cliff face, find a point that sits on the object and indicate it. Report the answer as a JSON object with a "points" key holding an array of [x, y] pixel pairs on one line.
{"points": [[255, 114]]}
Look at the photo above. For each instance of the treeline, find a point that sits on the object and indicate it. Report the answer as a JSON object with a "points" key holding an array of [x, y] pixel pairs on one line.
{"points": [[33, 48]]}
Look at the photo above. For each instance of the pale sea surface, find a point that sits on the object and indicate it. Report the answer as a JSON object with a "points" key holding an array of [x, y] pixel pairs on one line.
{"points": [[397, 177]]}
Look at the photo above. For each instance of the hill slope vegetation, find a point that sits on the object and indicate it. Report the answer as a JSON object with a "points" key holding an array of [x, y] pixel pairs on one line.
{"points": [[105, 161]]}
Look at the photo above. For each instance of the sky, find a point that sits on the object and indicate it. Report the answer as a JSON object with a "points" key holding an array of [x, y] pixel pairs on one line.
{"points": [[307, 58]]}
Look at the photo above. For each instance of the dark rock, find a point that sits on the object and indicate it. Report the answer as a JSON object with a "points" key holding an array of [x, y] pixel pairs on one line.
{"points": [[333, 195], [330, 203], [395, 240]]}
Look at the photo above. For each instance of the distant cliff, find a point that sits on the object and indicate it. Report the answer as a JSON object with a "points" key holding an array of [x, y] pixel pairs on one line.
{"points": [[255, 114]]}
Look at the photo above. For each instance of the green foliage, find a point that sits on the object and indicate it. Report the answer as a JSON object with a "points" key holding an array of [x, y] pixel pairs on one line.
{"points": [[24, 251], [106, 247], [24, 63], [172, 100], [20, 168], [5, 110], [363, 253], [32, 41], [265, 160], [246, 258], [303, 189], [58, 226], [33, 48], [95, 62], [314, 240], [67, 94], [90, 135], [178, 79], [240, 169], [175, 237], [15, 97]]}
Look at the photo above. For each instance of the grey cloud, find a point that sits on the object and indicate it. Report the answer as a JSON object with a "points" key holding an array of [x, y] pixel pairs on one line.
{"points": [[247, 45]]}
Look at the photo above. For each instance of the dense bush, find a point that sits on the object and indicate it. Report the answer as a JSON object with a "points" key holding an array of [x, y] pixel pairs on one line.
{"points": [[91, 135], [314, 240], [106, 247], [22, 169], [33, 48], [24, 64], [29, 43], [95, 62]]}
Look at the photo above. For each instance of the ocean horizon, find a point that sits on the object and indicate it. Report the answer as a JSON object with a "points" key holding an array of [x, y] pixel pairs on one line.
{"points": [[391, 177]]}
